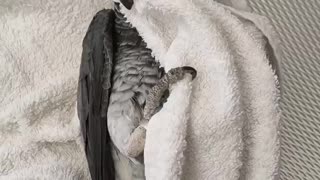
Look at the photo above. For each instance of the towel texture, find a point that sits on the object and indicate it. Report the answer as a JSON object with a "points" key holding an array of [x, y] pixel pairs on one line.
{"points": [[40, 53], [224, 124], [226, 119]]}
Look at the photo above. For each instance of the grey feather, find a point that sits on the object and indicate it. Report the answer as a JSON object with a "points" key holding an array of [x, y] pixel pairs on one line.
{"points": [[119, 89], [138, 88], [135, 72], [93, 95]]}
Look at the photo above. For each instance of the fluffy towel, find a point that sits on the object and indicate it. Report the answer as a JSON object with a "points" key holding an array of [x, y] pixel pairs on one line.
{"points": [[40, 54], [224, 124]]}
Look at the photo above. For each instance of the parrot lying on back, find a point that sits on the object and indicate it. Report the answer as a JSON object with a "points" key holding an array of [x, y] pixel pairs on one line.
{"points": [[120, 87]]}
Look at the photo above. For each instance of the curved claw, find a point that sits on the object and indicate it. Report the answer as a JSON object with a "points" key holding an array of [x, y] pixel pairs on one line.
{"points": [[190, 70], [127, 3]]}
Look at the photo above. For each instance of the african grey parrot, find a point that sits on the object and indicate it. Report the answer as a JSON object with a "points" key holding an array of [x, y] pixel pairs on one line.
{"points": [[120, 87]]}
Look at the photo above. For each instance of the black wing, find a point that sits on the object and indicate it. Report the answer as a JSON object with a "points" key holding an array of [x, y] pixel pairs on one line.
{"points": [[93, 94]]}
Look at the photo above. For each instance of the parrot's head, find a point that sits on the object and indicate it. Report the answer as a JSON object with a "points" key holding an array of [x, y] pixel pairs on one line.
{"points": [[126, 3]]}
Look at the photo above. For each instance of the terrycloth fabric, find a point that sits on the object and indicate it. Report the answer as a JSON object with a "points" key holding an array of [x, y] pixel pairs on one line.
{"points": [[40, 53], [224, 124]]}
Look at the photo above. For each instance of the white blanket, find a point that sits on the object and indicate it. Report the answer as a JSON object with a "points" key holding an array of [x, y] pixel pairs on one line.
{"points": [[40, 53], [40, 49], [224, 124]]}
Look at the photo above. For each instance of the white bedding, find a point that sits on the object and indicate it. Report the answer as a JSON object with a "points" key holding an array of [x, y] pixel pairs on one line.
{"points": [[40, 53], [40, 49]]}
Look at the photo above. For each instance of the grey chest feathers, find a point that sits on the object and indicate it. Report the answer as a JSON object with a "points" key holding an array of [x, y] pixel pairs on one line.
{"points": [[138, 87], [135, 72]]}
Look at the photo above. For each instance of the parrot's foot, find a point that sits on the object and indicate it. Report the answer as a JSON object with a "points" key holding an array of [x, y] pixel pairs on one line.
{"points": [[155, 97]]}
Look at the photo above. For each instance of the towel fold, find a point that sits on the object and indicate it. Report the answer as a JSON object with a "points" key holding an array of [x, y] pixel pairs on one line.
{"points": [[224, 124]]}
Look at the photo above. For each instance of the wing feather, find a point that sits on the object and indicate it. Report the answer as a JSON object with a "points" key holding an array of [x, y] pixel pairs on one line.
{"points": [[93, 94]]}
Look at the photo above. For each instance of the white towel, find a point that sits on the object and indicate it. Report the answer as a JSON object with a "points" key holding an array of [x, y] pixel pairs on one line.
{"points": [[224, 124], [40, 53]]}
